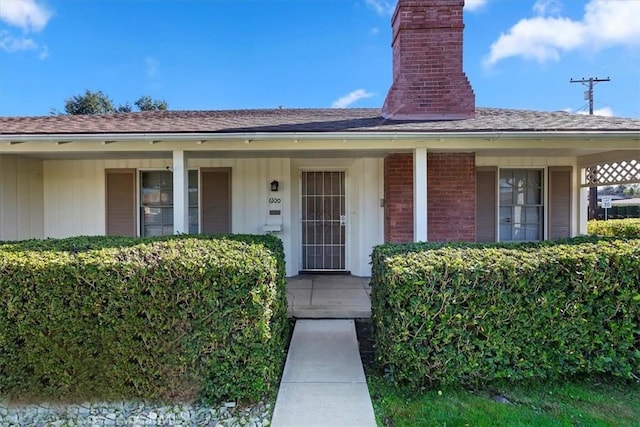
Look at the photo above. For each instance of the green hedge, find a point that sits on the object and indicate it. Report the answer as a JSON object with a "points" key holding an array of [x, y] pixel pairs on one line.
{"points": [[177, 318], [471, 314], [629, 228]]}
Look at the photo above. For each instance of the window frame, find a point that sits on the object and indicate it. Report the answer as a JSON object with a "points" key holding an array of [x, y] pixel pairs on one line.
{"points": [[139, 206], [544, 201]]}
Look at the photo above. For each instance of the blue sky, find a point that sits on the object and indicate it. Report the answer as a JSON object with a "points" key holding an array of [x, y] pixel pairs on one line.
{"points": [[233, 54]]}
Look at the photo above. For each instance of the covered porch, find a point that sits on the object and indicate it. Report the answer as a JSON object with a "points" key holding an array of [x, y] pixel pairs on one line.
{"points": [[351, 177]]}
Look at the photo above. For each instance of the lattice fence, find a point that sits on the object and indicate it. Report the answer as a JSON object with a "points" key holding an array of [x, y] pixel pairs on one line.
{"points": [[625, 172]]}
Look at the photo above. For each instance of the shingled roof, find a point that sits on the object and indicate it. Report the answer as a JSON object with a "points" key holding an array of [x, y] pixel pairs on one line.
{"points": [[308, 120]]}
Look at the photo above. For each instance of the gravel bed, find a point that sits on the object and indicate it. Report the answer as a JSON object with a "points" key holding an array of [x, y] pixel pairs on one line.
{"points": [[134, 414]]}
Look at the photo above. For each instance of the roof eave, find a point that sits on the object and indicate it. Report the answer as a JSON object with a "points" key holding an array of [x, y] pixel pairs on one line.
{"points": [[369, 135]]}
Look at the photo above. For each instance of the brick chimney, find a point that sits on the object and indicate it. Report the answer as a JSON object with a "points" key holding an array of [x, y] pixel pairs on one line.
{"points": [[428, 81]]}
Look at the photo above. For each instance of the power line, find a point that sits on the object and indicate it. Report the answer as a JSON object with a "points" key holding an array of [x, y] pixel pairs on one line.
{"points": [[590, 82]]}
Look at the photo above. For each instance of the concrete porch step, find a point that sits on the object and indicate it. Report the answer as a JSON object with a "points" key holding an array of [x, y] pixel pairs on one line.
{"points": [[328, 296]]}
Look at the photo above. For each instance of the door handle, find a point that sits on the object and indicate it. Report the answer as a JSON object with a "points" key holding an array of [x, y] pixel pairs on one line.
{"points": [[343, 220]]}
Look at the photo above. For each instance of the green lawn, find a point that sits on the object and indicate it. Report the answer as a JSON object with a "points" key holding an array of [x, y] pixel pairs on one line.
{"points": [[587, 402]]}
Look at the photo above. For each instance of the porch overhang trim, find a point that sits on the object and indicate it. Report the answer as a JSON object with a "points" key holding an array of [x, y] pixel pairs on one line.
{"points": [[301, 136]]}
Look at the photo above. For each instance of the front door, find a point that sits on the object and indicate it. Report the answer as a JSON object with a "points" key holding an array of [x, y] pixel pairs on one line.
{"points": [[323, 221]]}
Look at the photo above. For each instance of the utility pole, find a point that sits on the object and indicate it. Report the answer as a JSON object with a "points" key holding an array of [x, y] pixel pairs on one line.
{"points": [[588, 95]]}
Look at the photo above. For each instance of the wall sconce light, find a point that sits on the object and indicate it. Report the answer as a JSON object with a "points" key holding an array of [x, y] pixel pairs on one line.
{"points": [[274, 185]]}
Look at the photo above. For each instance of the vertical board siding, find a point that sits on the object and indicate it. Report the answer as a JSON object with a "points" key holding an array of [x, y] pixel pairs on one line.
{"points": [[560, 201], [75, 198], [21, 198], [486, 185], [8, 198], [367, 218], [74, 193]]}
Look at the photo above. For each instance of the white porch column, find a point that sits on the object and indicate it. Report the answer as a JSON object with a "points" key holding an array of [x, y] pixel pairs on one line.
{"points": [[420, 195], [583, 210], [180, 193]]}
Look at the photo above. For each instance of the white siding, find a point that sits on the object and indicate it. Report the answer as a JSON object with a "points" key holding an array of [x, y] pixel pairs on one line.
{"points": [[21, 198], [250, 191], [74, 199], [367, 216], [74, 194]]}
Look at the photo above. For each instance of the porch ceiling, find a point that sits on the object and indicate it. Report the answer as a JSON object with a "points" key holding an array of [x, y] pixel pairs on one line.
{"points": [[585, 153], [318, 145], [102, 155]]}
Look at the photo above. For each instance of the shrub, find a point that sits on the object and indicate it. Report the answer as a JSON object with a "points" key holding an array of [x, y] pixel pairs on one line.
{"points": [[471, 314], [176, 318], [629, 228]]}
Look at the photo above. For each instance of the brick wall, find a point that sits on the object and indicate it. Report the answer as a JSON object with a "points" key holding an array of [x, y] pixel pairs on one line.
{"points": [[451, 197], [398, 196]]}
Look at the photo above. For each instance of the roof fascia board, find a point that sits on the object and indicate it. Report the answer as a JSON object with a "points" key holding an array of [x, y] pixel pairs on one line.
{"points": [[259, 136]]}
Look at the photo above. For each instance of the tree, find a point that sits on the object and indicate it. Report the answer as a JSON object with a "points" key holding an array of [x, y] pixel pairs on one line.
{"points": [[99, 103], [632, 190], [146, 103]]}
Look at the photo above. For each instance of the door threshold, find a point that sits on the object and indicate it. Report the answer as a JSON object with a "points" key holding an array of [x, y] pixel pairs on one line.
{"points": [[326, 272]]}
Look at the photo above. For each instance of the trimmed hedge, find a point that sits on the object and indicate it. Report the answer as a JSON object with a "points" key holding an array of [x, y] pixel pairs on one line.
{"points": [[179, 318], [629, 228], [470, 313]]}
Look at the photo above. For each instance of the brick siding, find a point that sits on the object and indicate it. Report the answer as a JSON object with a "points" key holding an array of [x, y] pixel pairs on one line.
{"points": [[398, 196], [451, 197]]}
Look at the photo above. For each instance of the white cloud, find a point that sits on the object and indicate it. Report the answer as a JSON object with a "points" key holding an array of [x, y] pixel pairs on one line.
{"points": [[606, 111], [350, 98], [613, 22], [473, 5], [547, 7], [44, 53], [387, 7], [375, 30], [152, 66], [382, 7], [544, 38], [28, 16], [25, 14], [12, 44]]}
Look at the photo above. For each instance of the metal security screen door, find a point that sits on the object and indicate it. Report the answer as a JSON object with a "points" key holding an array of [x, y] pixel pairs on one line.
{"points": [[323, 221]]}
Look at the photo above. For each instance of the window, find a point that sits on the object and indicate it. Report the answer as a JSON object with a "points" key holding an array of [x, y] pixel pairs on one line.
{"points": [[156, 203], [521, 205]]}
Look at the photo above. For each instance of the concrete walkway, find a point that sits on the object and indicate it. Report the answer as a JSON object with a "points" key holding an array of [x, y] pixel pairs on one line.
{"points": [[317, 296], [323, 382]]}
